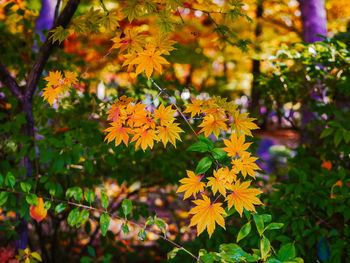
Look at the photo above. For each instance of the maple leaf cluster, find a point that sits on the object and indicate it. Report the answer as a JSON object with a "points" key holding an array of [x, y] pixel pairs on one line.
{"points": [[142, 55], [129, 118], [219, 114], [58, 85], [227, 182]]}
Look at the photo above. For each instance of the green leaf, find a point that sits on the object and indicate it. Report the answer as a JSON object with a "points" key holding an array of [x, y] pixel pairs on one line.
{"points": [[203, 165], [264, 247], [32, 199], [206, 141], [142, 235], [171, 254], [259, 222], [83, 217], [338, 137], [266, 218], [3, 197], [10, 180], [199, 147], [104, 223], [73, 217], [47, 205], [75, 192], [104, 199], [1, 179], [125, 228], [60, 207], [25, 187], [286, 252], [326, 132], [89, 196], [245, 230], [219, 154], [149, 221], [127, 207], [161, 224], [91, 251], [59, 34], [273, 226]]}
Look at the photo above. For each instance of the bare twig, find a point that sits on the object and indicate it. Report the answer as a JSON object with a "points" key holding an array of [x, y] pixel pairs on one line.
{"points": [[113, 216]]}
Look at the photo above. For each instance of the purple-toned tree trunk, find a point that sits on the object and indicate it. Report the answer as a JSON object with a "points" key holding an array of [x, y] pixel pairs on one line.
{"points": [[44, 21], [46, 16], [313, 15]]}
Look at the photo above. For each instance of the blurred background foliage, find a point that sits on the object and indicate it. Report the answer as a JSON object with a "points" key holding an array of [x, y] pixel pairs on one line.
{"points": [[306, 184]]}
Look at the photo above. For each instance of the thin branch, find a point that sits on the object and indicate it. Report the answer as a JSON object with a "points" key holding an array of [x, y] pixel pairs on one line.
{"points": [[10, 82], [110, 214], [183, 116], [47, 48]]}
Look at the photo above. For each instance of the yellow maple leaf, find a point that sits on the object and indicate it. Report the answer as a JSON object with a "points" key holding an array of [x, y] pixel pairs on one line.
{"points": [[54, 79], [149, 60], [164, 115], [243, 125], [169, 133], [145, 137], [118, 133], [213, 109], [245, 165], [191, 185], [243, 197], [131, 42], [162, 43], [206, 214], [213, 125], [194, 108], [236, 145], [70, 78], [223, 177], [50, 94]]}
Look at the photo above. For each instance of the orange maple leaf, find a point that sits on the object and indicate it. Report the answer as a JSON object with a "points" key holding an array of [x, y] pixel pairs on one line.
{"points": [[169, 133], [206, 214], [144, 137], [70, 78], [194, 108], [38, 212], [236, 145], [213, 125], [131, 42], [118, 133], [149, 60], [243, 197], [191, 185]]}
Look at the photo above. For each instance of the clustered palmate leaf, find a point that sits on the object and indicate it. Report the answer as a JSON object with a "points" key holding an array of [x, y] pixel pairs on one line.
{"points": [[58, 85], [217, 115], [133, 119]]}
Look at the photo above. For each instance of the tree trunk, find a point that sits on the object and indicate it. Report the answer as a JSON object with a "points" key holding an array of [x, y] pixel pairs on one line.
{"points": [[254, 105], [313, 14]]}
